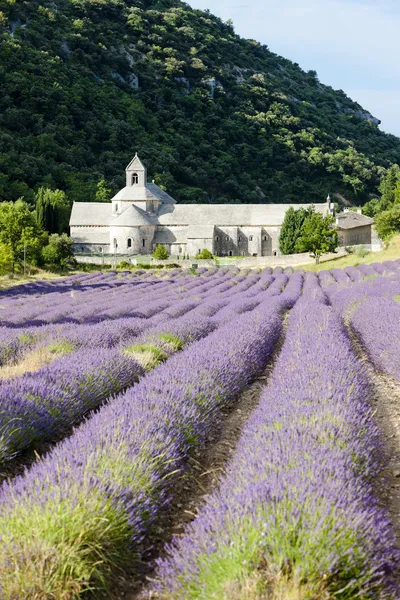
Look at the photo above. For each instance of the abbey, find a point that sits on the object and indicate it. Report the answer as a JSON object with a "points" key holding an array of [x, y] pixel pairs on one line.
{"points": [[142, 215]]}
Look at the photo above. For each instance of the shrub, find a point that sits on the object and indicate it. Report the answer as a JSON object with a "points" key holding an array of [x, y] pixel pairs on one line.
{"points": [[60, 251], [361, 251], [160, 253], [204, 254], [124, 265]]}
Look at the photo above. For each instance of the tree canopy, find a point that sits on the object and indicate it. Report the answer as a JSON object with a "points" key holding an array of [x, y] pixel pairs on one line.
{"points": [[291, 228], [216, 118], [318, 235], [20, 235]]}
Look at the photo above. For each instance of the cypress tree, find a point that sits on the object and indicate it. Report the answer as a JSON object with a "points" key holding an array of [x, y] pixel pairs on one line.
{"points": [[292, 227]]}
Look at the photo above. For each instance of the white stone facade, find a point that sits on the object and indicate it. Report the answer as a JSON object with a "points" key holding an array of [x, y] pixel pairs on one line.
{"points": [[142, 215]]}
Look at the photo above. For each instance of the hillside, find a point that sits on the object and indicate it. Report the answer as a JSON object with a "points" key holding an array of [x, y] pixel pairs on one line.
{"points": [[216, 118]]}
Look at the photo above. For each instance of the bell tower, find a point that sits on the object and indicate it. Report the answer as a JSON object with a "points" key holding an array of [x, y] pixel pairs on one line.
{"points": [[136, 173]]}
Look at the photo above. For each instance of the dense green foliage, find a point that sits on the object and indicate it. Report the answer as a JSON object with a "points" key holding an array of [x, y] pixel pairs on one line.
{"points": [[386, 209], [204, 254], [389, 189], [216, 118], [291, 229], [52, 210], [23, 238], [387, 223], [318, 235], [59, 253], [20, 235], [160, 253]]}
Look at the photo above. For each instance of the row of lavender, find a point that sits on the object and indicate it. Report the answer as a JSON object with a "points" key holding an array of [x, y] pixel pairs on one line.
{"points": [[42, 406], [92, 502], [250, 295], [295, 516], [101, 296]]}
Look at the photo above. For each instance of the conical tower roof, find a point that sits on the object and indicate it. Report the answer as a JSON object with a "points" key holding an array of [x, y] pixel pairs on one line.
{"points": [[133, 216]]}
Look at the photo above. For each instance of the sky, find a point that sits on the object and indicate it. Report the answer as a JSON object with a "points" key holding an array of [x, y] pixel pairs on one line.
{"points": [[354, 45]]}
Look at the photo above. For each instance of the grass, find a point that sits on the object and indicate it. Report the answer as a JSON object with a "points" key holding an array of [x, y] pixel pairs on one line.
{"points": [[392, 252], [35, 360], [148, 356], [8, 281]]}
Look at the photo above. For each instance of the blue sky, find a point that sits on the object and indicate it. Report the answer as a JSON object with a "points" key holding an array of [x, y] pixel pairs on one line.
{"points": [[354, 45]]}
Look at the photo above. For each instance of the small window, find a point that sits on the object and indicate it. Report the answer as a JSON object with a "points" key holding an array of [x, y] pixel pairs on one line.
{"points": [[227, 238], [239, 239], [135, 178], [180, 250], [100, 250], [129, 243], [274, 253], [250, 238], [265, 238], [143, 243], [217, 239], [115, 243], [116, 208]]}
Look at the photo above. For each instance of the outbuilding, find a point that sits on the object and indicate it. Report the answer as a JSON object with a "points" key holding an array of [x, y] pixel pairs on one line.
{"points": [[354, 229]]}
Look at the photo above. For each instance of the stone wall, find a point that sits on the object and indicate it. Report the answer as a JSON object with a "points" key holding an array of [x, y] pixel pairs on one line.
{"points": [[246, 241], [141, 239], [355, 236]]}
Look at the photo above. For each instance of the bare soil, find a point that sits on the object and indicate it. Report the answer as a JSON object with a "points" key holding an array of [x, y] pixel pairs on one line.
{"points": [[202, 477]]}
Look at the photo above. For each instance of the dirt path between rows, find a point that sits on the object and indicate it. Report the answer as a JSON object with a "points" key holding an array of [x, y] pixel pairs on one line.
{"points": [[386, 399], [202, 477]]}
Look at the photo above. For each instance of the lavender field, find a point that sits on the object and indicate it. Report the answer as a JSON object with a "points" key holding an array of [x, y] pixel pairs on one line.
{"points": [[114, 387]]}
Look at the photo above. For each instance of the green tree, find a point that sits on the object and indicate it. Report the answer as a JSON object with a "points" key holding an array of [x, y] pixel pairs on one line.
{"points": [[160, 253], [6, 259], [388, 222], [372, 208], [60, 251], [103, 192], [318, 236], [387, 187], [20, 233], [291, 228], [52, 210]]}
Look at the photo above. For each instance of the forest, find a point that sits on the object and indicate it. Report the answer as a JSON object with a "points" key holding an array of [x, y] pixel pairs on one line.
{"points": [[216, 118]]}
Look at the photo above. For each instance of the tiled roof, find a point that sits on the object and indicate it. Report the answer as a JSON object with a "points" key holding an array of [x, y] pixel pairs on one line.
{"points": [[208, 215], [132, 216], [90, 213], [350, 220]]}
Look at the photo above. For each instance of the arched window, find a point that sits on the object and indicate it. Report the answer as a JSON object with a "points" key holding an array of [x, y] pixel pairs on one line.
{"points": [[116, 208], [129, 243], [265, 238], [217, 239], [143, 242], [250, 238], [100, 250], [227, 238], [230, 252], [239, 239], [115, 243], [135, 178], [180, 250]]}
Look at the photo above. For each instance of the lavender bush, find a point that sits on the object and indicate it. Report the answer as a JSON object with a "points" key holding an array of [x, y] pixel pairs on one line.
{"points": [[90, 503], [296, 515]]}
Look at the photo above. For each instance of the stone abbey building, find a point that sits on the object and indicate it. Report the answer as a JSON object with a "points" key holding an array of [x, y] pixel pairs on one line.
{"points": [[142, 215]]}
